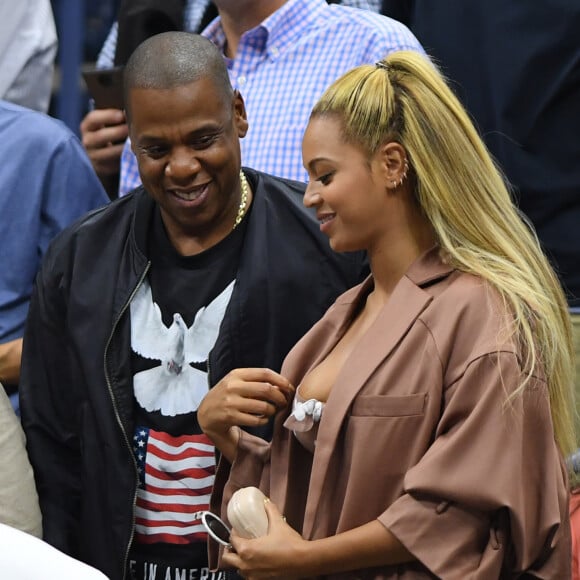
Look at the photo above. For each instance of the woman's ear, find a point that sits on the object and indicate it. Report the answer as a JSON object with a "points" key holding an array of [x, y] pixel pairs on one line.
{"points": [[394, 164]]}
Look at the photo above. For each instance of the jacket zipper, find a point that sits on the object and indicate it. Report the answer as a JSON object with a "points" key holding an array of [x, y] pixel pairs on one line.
{"points": [[208, 373], [117, 416]]}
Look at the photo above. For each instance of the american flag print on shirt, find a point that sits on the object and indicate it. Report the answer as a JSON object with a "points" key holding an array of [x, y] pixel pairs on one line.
{"points": [[176, 475]]}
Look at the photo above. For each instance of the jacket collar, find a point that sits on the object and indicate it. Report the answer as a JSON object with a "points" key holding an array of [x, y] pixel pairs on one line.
{"points": [[145, 205]]}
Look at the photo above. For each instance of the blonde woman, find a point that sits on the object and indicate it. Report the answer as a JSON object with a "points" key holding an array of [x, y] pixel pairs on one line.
{"points": [[433, 403]]}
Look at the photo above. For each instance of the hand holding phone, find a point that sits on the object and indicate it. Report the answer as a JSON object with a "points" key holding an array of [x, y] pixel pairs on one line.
{"points": [[105, 87]]}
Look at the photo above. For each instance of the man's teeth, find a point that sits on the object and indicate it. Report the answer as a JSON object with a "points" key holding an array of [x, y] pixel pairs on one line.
{"points": [[189, 195], [327, 218]]}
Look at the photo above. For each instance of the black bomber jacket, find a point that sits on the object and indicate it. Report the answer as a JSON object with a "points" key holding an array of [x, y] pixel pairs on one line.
{"points": [[76, 382]]}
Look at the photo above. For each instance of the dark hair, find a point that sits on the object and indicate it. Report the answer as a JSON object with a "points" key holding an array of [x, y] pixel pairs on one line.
{"points": [[173, 59]]}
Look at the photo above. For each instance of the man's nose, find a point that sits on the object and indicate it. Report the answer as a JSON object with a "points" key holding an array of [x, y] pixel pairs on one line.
{"points": [[183, 162]]}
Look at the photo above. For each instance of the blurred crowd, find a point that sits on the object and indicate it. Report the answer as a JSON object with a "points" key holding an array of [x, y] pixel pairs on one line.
{"points": [[163, 220]]}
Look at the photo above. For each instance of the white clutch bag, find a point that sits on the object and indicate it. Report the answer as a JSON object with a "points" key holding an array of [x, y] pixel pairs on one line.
{"points": [[247, 514]]}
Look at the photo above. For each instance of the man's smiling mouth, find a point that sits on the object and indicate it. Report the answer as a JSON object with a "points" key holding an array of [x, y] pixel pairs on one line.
{"points": [[190, 194]]}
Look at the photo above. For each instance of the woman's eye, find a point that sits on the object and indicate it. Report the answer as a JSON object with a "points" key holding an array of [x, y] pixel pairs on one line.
{"points": [[326, 178]]}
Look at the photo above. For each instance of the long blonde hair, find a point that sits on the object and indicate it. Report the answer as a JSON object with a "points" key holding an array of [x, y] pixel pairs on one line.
{"points": [[404, 98]]}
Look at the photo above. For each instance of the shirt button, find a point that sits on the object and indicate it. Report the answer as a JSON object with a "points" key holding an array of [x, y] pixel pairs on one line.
{"points": [[275, 51], [241, 81]]}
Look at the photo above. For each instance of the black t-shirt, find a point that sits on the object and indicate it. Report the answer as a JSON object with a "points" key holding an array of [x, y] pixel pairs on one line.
{"points": [[175, 317]]}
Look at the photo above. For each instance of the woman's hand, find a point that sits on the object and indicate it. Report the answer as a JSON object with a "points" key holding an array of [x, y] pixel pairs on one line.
{"points": [[244, 397], [276, 555], [283, 553]]}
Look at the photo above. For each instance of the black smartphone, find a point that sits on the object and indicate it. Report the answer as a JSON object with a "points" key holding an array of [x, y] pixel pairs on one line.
{"points": [[105, 86], [216, 528]]}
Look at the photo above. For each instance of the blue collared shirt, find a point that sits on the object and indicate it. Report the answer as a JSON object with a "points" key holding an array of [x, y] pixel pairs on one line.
{"points": [[192, 16], [47, 182], [284, 65]]}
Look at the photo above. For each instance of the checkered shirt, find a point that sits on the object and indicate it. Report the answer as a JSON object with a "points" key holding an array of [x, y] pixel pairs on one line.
{"points": [[281, 69]]}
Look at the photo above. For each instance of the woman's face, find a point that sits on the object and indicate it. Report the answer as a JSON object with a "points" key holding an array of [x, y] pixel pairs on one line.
{"points": [[347, 189]]}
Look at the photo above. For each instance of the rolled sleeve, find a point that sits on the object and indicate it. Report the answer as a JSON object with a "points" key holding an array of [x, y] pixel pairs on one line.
{"points": [[492, 478]]}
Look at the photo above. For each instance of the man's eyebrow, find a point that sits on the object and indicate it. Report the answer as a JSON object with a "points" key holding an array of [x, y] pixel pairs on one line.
{"points": [[208, 129]]}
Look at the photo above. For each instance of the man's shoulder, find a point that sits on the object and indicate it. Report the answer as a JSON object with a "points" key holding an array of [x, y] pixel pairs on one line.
{"points": [[279, 195], [366, 19], [279, 202], [99, 226], [33, 128], [272, 184]]}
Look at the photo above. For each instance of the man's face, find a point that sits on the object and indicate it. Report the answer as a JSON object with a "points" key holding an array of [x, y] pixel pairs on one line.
{"points": [[186, 140]]}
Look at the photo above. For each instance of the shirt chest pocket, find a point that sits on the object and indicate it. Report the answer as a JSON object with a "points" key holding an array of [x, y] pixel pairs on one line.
{"points": [[389, 406]]}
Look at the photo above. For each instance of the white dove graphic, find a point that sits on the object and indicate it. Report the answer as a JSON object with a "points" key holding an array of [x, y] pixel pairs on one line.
{"points": [[174, 387]]}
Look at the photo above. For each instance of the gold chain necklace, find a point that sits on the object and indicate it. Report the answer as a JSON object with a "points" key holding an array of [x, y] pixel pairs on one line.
{"points": [[242, 208]]}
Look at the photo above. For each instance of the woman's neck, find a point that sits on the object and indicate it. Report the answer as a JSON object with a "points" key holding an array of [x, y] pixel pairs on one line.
{"points": [[390, 261]]}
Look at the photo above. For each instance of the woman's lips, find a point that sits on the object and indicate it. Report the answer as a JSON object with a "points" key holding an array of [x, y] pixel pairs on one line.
{"points": [[325, 220]]}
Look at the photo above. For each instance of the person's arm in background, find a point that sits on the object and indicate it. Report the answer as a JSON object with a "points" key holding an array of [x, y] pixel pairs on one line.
{"points": [[28, 45], [59, 186], [10, 355], [103, 133], [18, 498], [72, 188], [11, 16]]}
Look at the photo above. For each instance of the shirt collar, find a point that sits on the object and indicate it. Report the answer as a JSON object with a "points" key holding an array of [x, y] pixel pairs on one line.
{"points": [[281, 29], [214, 32], [429, 267]]}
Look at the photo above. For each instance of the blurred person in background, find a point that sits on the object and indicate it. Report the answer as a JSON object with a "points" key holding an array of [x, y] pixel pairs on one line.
{"points": [[46, 182], [28, 44]]}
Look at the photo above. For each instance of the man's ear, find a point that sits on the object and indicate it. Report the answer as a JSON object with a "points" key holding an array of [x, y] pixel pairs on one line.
{"points": [[240, 117], [131, 140], [394, 163]]}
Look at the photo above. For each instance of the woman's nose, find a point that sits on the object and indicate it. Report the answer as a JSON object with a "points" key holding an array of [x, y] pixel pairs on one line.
{"points": [[311, 196]]}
